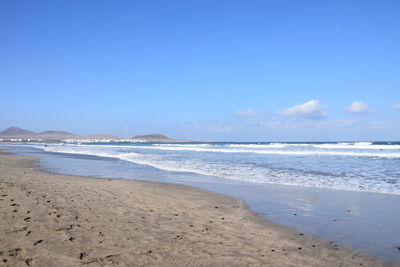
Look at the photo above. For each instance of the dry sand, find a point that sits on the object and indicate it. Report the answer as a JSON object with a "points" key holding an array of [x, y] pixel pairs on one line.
{"points": [[60, 220]]}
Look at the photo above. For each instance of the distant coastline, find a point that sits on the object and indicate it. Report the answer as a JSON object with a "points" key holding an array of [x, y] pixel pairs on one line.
{"points": [[16, 134]]}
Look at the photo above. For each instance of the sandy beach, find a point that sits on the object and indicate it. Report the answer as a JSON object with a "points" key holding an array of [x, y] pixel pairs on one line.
{"points": [[51, 219]]}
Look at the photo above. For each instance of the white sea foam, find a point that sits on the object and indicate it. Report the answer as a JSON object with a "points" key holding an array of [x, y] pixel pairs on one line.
{"points": [[188, 145], [342, 145], [358, 145], [254, 147], [271, 145], [237, 170], [310, 152]]}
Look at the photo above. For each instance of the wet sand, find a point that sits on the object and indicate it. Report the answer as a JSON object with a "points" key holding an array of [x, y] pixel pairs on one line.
{"points": [[51, 219]]}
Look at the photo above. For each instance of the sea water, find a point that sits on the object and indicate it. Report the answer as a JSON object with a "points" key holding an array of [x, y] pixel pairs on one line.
{"points": [[356, 166]]}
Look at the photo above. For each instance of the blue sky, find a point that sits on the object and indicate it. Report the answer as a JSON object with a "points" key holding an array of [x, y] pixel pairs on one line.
{"points": [[222, 70]]}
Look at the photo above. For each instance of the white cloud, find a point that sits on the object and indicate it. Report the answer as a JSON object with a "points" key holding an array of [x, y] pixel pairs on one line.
{"points": [[311, 109], [250, 116], [246, 113], [358, 107], [211, 126], [343, 123], [396, 106]]}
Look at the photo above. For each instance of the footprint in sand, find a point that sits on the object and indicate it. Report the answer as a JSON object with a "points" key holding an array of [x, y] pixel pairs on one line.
{"points": [[29, 261], [14, 252], [82, 255], [38, 242]]}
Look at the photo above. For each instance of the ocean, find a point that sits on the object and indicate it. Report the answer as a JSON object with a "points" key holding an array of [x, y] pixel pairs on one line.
{"points": [[352, 166], [345, 192]]}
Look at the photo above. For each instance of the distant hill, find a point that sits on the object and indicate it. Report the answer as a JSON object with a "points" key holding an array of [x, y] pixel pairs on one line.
{"points": [[150, 136], [101, 136], [19, 133], [155, 138], [15, 131], [55, 135]]}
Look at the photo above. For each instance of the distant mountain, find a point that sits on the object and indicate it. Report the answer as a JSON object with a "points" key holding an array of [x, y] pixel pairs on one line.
{"points": [[18, 133], [15, 131], [155, 138], [101, 136], [151, 136], [55, 135]]}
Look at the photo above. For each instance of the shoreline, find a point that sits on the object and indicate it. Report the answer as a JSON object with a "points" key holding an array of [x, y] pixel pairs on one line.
{"points": [[97, 221]]}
